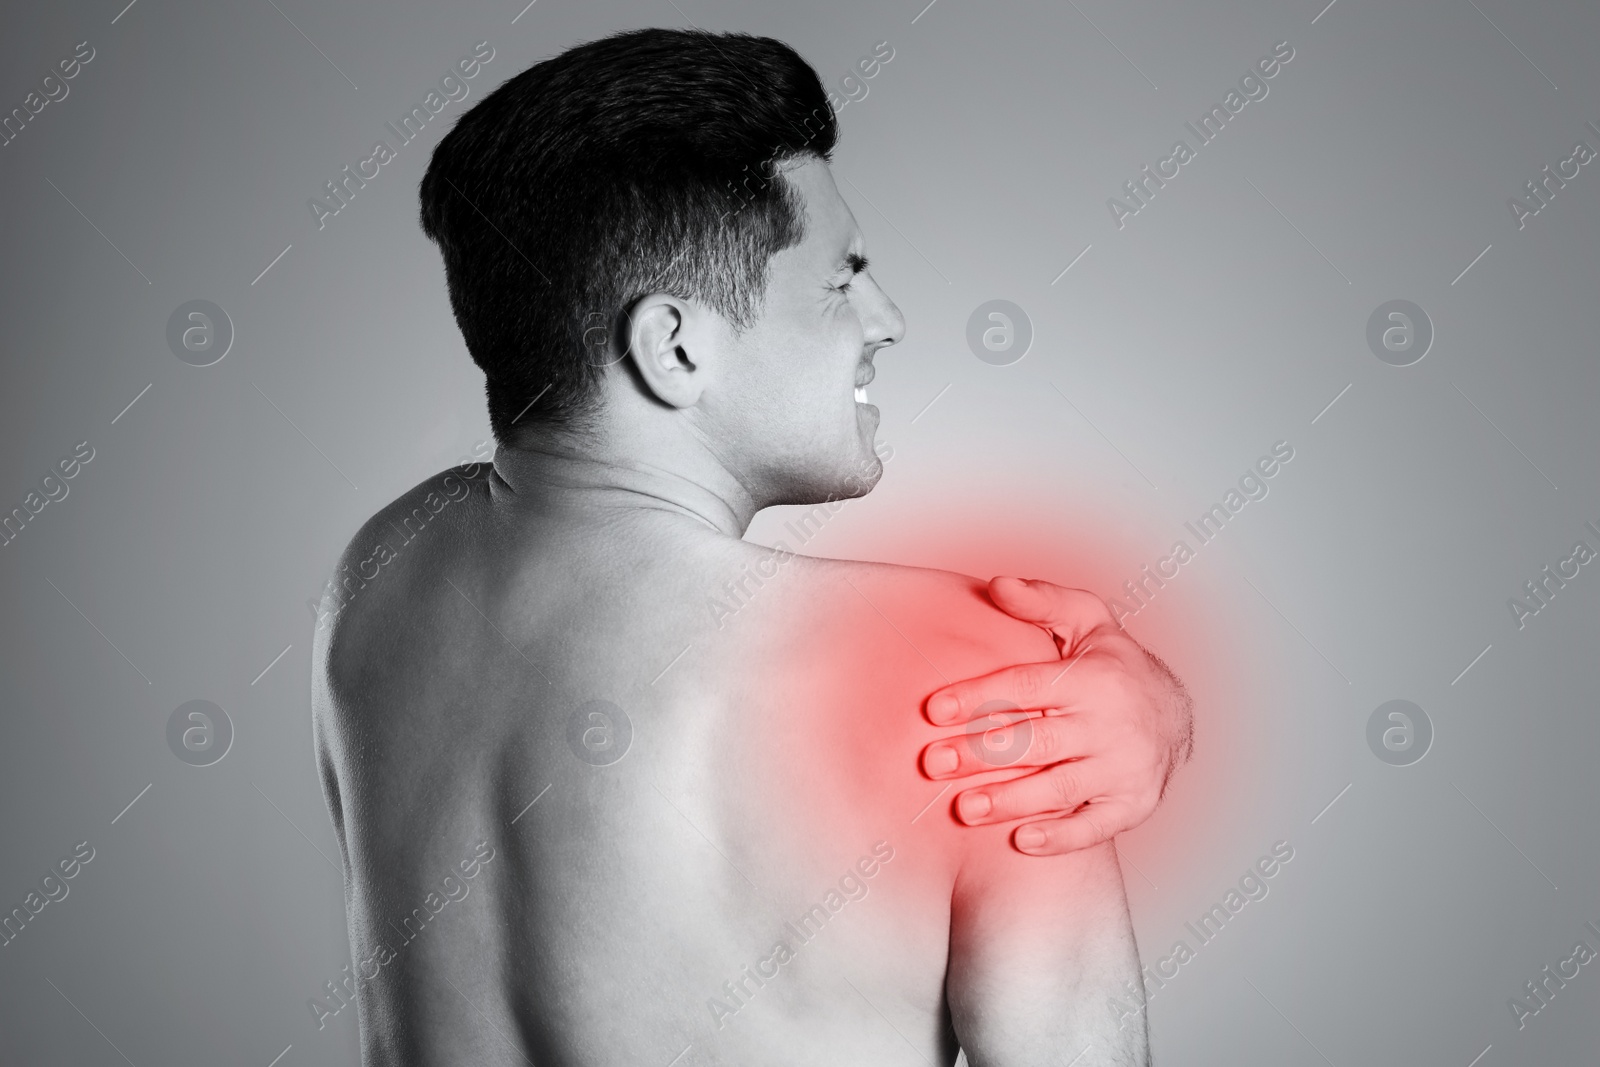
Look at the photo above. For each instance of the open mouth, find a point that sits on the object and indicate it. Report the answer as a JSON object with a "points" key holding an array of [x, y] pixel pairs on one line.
{"points": [[863, 379]]}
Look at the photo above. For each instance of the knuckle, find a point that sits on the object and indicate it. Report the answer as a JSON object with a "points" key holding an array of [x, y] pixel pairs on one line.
{"points": [[1030, 687], [1065, 788], [1042, 743]]}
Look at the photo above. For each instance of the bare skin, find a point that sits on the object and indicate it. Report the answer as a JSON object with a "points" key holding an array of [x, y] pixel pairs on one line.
{"points": [[615, 909], [1108, 735], [770, 811]]}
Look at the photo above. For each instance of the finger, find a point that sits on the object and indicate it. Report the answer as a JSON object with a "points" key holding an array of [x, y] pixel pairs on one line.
{"points": [[1060, 788], [1026, 687], [999, 741], [1095, 824], [1069, 613]]}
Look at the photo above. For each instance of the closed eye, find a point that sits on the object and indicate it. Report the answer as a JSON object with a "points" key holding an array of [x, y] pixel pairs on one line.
{"points": [[857, 265]]}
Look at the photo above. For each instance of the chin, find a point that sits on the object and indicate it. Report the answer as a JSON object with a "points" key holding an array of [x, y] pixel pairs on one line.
{"points": [[842, 478], [866, 476], [858, 477]]}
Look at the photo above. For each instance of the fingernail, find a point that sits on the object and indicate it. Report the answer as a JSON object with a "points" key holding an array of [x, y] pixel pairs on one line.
{"points": [[975, 805], [1030, 837], [941, 759], [942, 707]]}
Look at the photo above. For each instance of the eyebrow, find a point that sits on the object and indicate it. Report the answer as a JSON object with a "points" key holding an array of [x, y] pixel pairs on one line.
{"points": [[857, 263]]}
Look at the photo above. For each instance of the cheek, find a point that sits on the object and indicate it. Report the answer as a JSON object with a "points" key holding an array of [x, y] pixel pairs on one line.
{"points": [[778, 402], [811, 373], [796, 372], [817, 400], [848, 328]]}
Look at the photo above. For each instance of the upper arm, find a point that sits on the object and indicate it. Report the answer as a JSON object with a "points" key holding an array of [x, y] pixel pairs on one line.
{"points": [[332, 669], [1043, 965], [323, 712], [1038, 946]]}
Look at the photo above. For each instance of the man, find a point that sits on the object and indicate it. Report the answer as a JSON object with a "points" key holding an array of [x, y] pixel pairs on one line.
{"points": [[703, 840]]}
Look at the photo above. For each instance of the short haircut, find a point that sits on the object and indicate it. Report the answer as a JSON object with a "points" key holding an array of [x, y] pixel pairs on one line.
{"points": [[647, 161]]}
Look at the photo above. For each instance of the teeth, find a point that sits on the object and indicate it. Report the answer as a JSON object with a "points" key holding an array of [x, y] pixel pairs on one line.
{"points": [[861, 394]]}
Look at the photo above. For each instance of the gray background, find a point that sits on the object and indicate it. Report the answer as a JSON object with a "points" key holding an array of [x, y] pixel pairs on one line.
{"points": [[1224, 317]]}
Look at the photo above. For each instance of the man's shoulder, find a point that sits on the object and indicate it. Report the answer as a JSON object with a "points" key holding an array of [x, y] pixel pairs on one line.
{"points": [[401, 526], [920, 596], [394, 553], [409, 515], [947, 618]]}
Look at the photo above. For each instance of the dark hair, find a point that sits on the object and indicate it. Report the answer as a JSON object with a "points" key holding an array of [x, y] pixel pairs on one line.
{"points": [[642, 162]]}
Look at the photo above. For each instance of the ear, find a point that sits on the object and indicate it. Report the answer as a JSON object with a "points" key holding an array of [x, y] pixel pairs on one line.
{"points": [[664, 342]]}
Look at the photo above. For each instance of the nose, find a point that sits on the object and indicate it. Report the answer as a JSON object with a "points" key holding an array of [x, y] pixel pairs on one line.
{"points": [[885, 325]]}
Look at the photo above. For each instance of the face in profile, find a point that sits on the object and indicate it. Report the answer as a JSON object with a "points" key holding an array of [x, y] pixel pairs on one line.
{"points": [[792, 388]]}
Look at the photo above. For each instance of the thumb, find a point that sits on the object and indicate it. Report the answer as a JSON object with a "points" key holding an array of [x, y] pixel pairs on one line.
{"points": [[1069, 613]]}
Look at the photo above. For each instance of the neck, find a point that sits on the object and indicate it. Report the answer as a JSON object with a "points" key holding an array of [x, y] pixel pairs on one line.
{"points": [[597, 475]]}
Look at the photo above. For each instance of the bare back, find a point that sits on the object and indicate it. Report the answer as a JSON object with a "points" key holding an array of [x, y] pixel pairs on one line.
{"points": [[615, 788]]}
